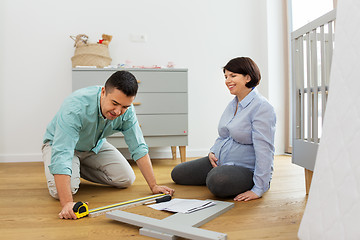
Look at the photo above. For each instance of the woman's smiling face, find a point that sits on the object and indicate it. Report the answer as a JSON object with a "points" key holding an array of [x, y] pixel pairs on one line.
{"points": [[235, 82]]}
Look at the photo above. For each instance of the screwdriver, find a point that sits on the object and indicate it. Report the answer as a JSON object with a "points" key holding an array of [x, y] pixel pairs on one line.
{"points": [[165, 198]]}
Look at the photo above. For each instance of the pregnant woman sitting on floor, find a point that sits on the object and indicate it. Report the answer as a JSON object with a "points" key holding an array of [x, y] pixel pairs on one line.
{"points": [[240, 163]]}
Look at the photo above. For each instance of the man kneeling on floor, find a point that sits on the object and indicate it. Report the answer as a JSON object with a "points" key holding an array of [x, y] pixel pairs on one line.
{"points": [[75, 143]]}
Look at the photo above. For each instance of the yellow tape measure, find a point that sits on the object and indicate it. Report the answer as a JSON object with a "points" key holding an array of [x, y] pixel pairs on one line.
{"points": [[81, 209]]}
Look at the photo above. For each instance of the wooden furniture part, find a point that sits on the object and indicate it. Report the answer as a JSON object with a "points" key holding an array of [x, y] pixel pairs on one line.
{"points": [[161, 104]]}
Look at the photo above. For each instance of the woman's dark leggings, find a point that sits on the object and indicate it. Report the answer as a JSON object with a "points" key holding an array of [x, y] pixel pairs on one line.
{"points": [[223, 181]]}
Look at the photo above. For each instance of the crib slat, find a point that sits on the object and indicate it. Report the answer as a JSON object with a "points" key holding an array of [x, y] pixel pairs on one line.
{"points": [[301, 87], [330, 51], [314, 86], [296, 96], [308, 87], [323, 71]]}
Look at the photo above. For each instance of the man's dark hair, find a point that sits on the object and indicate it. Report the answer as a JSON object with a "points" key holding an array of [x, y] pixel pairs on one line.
{"points": [[245, 66], [123, 81]]}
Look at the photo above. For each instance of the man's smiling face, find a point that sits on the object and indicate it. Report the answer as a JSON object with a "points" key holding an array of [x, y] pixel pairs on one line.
{"points": [[114, 103]]}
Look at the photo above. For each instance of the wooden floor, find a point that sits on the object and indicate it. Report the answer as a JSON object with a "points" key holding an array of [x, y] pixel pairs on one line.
{"points": [[28, 212]]}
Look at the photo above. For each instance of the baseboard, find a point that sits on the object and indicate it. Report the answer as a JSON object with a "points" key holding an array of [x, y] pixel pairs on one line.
{"points": [[156, 153], [10, 158]]}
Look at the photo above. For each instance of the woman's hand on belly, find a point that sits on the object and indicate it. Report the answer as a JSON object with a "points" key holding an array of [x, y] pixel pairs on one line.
{"points": [[213, 159]]}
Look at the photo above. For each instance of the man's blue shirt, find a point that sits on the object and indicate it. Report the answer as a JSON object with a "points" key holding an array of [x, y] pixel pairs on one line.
{"points": [[79, 125]]}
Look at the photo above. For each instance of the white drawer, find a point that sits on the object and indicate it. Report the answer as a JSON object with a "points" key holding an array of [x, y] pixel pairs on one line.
{"points": [[161, 125], [155, 125], [161, 103], [161, 81]]}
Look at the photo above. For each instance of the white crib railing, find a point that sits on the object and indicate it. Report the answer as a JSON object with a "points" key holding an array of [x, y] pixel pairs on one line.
{"points": [[312, 47]]}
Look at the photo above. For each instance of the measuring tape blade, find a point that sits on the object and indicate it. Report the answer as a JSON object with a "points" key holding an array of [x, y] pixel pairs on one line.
{"points": [[81, 208]]}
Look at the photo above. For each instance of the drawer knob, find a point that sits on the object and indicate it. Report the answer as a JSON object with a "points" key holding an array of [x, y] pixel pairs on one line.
{"points": [[137, 103]]}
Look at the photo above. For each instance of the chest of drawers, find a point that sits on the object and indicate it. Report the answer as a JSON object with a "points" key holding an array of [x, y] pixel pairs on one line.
{"points": [[161, 104]]}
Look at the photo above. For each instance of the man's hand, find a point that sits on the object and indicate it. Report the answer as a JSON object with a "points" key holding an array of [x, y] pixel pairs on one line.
{"points": [[65, 196], [162, 189], [146, 169], [213, 159], [246, 196], [67, 211]]}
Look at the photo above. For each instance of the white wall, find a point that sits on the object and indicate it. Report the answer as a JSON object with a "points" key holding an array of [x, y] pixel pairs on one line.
{"points": [[278, 73], [201, 35]]}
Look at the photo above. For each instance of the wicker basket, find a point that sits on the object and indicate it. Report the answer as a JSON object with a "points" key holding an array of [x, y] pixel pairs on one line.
{"points": [[91, 55]]}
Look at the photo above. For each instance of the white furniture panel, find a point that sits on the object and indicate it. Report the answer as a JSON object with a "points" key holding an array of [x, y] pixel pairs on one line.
{"points": [[333, 207]]}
